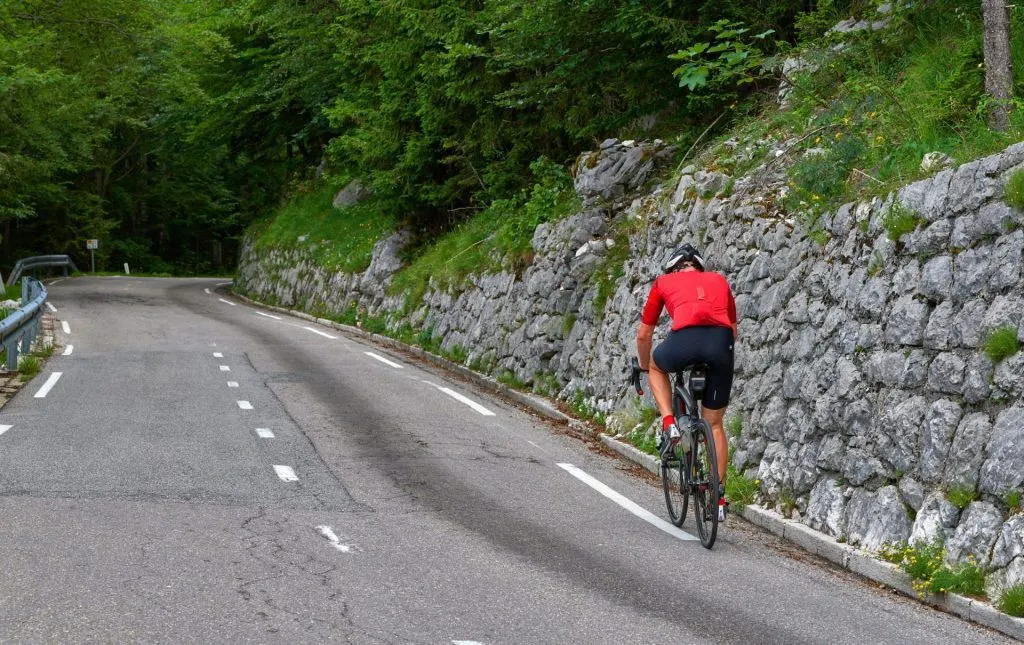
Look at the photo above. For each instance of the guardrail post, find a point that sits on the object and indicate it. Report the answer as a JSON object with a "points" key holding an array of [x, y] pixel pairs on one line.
{"points": [[24, 292], [12, 356]]}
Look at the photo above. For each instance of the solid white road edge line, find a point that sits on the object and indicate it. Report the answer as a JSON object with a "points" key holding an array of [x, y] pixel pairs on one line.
{"points": [[225, 368], [383, 360], [4, 428], [50, 306], [626, 503], [334, 539], [467, 643], [286, 473], [317, 331], [264, 433], [65, 326], [260, 313], [218, 355], [245, 405], [227, 302], [48, 385], [471, 403], [68, 350], [56, 281]]}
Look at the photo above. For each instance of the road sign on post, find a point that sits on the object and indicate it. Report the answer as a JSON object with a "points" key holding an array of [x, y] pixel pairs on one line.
{"points": [[92, 245]]}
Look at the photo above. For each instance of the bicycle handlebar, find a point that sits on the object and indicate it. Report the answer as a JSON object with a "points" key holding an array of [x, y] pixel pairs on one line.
{"points": [[635, 376]]}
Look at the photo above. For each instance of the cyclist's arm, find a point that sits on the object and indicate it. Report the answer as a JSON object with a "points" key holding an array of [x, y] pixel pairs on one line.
{"points": [[732, 316], [644, 340], [648, 321]]}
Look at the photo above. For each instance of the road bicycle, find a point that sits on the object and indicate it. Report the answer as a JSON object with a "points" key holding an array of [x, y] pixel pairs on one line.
{"points": [[690, 467]]}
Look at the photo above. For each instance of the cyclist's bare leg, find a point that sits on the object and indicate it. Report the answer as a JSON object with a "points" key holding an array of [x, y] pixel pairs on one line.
{"points": [[661, 389], [716, 418]]}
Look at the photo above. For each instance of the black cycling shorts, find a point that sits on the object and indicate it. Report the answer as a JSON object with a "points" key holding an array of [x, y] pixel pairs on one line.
{"points": [[710, 345]]}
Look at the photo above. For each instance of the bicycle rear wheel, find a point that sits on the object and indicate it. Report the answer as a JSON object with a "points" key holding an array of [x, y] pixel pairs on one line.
{"points": [[677, 493], [704, 483]]}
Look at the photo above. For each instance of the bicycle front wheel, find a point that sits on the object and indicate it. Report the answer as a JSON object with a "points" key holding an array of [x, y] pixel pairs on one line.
{"points": [[704, 483], [677, 493]]}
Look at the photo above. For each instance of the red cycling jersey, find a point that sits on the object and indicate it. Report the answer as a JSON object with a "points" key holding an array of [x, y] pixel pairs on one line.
{"points": [[692, 298]]}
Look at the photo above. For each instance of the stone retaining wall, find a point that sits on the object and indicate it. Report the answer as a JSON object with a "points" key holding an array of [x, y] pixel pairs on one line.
{"points": [[866, 400]]}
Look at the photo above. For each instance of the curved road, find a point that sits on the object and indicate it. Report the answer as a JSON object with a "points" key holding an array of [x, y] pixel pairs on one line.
{"points": [[202, 471]]}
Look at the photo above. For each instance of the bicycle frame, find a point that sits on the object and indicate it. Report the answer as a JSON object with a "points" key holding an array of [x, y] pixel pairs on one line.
{"points": [[688, 388]]}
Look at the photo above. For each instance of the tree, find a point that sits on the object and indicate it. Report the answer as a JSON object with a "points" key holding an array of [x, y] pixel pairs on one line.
{"points": [[998, 69]]}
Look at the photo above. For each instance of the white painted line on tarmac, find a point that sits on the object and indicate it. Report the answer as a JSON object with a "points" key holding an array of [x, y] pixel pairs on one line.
{"points": [[467, 643], [260, 313], [224, 284], [383, 360], [334, 539], [232, 383], [286, 473], [66, 327], [4, 428], [218, 355], [48, 385], [264, 433], [57, 280], [471, 403], [225, 368], [317, 331], [206, 290], [227, 302], [68, 350], [49, 305], [245, 405], [626, 503]]}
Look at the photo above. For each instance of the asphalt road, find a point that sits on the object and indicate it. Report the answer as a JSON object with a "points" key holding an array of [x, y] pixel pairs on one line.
{"points": [[205, 472]]}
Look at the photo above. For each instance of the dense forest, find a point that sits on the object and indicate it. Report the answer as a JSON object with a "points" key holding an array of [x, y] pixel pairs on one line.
{"points": [[165, 128]]}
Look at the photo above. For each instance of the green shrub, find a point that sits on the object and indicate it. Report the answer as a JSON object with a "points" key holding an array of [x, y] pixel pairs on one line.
{"points": [[509, 378], [739, 490], [734, 424], [582, 409], [899, 220], [1012, 601], [1015, 189], [967, 579], [961, 496], [643, 442], [1001, 343], [28, 366], [1012, 500]]}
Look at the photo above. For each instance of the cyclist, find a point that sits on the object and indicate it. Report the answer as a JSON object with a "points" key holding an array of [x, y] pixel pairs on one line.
{"points": [[703, 314]]}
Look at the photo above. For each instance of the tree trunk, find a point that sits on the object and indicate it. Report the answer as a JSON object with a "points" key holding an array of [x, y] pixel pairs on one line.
{"points": [[998, 72]]}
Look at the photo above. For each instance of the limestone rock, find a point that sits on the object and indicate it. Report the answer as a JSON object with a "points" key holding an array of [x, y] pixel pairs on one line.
{"points": [[974, 537], [874, 519], [1003, 469]]}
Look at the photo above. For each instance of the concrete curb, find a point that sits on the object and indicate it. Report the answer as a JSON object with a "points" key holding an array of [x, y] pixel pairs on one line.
{"points": [[820, 544]]}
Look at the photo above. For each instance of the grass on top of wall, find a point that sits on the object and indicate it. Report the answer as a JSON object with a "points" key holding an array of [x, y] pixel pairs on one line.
{"points": [[338, 239]]}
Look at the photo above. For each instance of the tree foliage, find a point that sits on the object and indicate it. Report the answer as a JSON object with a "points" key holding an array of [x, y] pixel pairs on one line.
{"points": [[165, 127]]}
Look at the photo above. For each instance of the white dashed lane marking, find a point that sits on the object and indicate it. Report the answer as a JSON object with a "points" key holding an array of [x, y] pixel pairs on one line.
{"points": [[65, 326], [206, 290], [626, 503], [317, 331], [335, 541], [471, 403], [50, 306], [383, 360], [4, 428], [218, 355], [264, 433], [245, 405], [286, 473], [232, 383], [260, 313], [227, 302], [68, 350], [48, 385], [225, 368]]}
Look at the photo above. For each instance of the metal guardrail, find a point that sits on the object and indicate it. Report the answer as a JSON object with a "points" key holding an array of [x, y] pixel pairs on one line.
{"points": [[38, 261], [19, 329]]}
